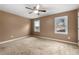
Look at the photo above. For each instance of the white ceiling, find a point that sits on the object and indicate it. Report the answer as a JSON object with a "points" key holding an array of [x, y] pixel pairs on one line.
{"points": [[19, 9]]}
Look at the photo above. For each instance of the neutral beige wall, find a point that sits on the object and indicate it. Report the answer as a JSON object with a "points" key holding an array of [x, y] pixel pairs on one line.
{"points": [[47, 26], [12, 26]]}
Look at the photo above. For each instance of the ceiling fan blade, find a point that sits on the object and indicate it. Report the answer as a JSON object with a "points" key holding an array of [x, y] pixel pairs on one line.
{"points": [[38, 6], [42, 10], [29, 8], [30, 12], [38, 14]]}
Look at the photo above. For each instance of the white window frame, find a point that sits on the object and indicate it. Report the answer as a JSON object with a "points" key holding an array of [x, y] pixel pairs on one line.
{"points": [[36, 24]]}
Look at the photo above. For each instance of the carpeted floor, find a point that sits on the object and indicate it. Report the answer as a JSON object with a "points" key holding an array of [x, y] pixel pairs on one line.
{"points": [[36, 46]]}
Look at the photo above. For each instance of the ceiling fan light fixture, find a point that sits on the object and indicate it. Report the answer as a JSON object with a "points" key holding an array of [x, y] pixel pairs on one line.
{"points": [[36, 11]]}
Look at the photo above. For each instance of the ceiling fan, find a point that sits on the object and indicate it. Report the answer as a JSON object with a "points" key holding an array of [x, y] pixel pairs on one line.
{"points": [[35, 9]]}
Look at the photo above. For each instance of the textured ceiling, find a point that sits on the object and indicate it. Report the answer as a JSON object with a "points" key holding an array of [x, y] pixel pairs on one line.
{"points": [[19, 9]]}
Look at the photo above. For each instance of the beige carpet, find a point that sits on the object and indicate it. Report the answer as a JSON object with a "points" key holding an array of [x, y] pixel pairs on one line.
{"points": [[36, 46]]}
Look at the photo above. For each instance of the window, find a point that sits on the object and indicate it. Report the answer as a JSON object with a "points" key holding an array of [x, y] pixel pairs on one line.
{"points": [[36, 25]]}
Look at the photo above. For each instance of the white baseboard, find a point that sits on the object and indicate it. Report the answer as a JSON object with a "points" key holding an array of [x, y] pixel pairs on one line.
{"points": [[39, 37], [13, 39], [58, 40]]}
